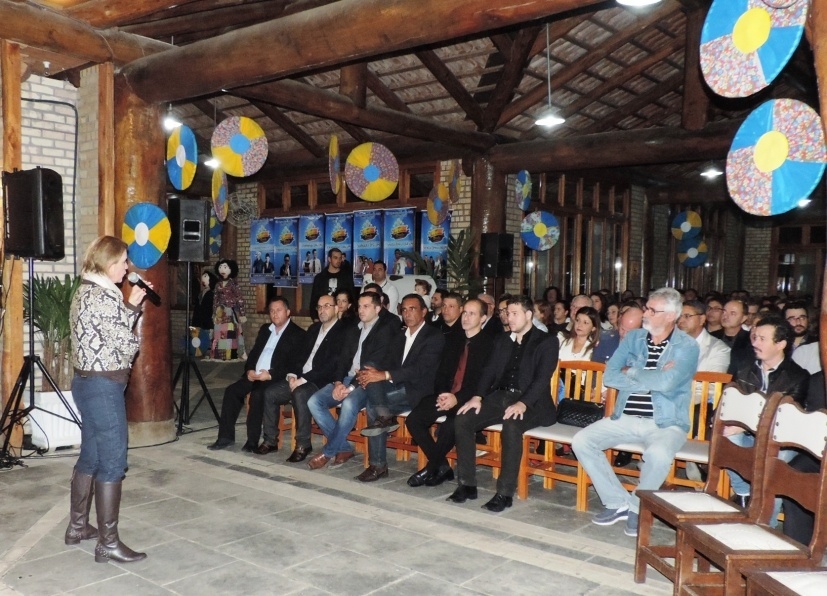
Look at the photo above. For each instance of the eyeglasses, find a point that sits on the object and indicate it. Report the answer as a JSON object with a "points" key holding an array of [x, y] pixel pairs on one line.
{"points": [[793, 319], [323, 306], [502, 311], [708, 308], [652, 311], [688, 316]]}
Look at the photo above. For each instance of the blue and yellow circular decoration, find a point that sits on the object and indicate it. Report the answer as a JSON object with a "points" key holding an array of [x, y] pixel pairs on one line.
{"points": [[146, 231], [220, 202], [692, 252], [215, 234], [777, 157], [439, 204], [540, 230], [334, 165], [182, 157], [686, 224], [522, 190], [240, 146], [453, 180], [746, 43], [371, 172]]}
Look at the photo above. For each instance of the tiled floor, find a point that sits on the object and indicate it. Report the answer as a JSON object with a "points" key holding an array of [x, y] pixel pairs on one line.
{"points": [[228, 522]]}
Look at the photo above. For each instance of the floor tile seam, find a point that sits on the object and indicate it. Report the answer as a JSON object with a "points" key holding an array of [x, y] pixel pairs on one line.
{"points": [[391, 583], [39, 530], [163, 584]]}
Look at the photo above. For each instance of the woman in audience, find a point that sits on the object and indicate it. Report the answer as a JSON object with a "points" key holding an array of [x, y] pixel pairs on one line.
{"points": [[344, 307], [613, 313], [559, 317], [580, 341], [600, 304], [551, 294]]}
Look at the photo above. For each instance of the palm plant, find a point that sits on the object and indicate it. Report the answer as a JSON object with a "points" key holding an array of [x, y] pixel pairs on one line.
{"points": [[51, 302], [461, 258]]}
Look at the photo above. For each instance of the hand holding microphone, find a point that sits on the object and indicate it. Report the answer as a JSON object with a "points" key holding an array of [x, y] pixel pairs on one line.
{"points": [[135, 279]]}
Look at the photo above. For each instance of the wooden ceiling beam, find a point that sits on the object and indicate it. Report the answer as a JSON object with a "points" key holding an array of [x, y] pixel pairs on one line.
{"points": [[307, 99], [452, 85], [105, 13], [291, 128], [357, 133], [385, 93], [228, 17], [695, 112], [322, 37], [353, 83]]}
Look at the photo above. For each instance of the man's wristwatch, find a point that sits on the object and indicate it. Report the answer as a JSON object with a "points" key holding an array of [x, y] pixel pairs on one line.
{"points": [[387, 375]]}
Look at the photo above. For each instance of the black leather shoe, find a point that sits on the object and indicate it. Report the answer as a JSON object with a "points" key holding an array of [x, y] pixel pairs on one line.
{"points": [[299, 454], [373, 473], [220, 444], [383, 424], [622, 459], [444, 473], [463, 493], [265, 449], [420, 478], [741, 500], [498, 503], [250, 447]]}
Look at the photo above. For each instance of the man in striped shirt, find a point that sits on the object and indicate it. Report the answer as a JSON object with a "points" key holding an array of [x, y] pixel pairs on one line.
{"points": [[652, 370]]}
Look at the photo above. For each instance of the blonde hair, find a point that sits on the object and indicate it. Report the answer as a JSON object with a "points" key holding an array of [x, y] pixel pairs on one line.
{"points": [[103, 251]]}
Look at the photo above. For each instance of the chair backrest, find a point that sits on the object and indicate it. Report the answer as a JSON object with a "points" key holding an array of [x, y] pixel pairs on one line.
{"points": [[709, 385], [579, 379]]}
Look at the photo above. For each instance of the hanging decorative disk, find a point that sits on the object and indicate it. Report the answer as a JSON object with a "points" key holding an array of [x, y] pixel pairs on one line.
{"points": [[371, 172], [239, 144], [438, 204], [540, 230], [334, 165], [777, 157], [686, 224], [746, 43], [692, 252], [522, 189], [220, 204], [215, 234], [453, 180], [146, 231], [182, 157], [781, 3]]}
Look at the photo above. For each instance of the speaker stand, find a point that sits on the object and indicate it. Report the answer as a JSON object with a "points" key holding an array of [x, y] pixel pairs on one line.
{"points": [[183, 371]]}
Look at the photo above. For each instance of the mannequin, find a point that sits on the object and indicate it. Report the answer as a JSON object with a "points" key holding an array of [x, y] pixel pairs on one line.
{"points": [[228, 314]]}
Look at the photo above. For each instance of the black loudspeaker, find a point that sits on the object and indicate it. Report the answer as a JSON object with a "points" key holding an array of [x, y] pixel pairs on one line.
{"points": [[189, 220], [34, 214], [496, 254]]}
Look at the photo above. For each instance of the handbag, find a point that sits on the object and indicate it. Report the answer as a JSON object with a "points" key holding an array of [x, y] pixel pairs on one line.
{"points": [[579, 413]]}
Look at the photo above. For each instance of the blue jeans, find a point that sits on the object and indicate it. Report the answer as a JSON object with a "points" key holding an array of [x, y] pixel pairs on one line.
{"points": [[660, 446], [385, 399], [104, 432], [335, 430]]}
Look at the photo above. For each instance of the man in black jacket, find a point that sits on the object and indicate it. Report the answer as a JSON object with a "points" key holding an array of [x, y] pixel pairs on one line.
{"points": [[334, 278], [319, 364], [459, 371], [514, 391], [277, 351]]}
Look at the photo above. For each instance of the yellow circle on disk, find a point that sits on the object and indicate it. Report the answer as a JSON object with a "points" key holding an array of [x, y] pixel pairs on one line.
{"points": [[771, 151], [752, 30], [540, 229]]}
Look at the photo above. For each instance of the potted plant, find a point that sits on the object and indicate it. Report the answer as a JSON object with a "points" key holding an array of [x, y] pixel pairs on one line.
{"points": [[461, 258]]}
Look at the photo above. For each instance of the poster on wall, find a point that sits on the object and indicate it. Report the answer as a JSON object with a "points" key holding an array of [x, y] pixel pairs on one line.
{"points": [[367, 242], [338, 233], [286, 254], [398, 237], [262, 248], [311, 246], [434, 248]]}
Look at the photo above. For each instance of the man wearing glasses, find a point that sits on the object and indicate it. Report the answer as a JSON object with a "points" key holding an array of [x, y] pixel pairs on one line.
{"points": [[714, 311], [652, 370]]}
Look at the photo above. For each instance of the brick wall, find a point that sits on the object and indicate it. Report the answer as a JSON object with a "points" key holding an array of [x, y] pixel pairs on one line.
{"points": [[660, 249], [87, 192], [513, 219], [637, 232], [756, 268]]}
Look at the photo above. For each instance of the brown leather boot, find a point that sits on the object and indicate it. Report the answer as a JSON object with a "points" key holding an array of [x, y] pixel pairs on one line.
{"points": [[108, 505], [80, 504]]}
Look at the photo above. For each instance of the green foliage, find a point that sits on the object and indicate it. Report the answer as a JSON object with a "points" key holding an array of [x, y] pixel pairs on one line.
{"points": [[461, 258], [420, 268]]}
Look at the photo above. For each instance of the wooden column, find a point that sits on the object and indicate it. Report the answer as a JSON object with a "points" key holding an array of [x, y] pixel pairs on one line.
{"points": [[695, 98], [487, 207], [106, 148], [139, 178], [12, 360]]}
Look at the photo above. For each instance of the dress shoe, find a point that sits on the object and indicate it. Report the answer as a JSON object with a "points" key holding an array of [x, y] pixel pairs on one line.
{"points": [[265, 449], [383, 424], [420, 478], [622, 459], [341, 458], [741, 500], [498, 503], [299, 454], [463, 493], [250, 447], [373, 473], [444, 473], [318, 462], [220, 444]]}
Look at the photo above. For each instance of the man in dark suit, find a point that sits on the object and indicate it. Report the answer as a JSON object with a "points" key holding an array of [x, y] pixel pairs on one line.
{"points": [[451, 309], [397, 389], [276, 352], [491, 324], [459, 371], [319, 365], [515, 386]]}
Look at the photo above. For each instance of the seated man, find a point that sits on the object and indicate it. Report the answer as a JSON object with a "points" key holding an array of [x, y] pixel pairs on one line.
{"points": [[459, 370], [277, 351], [513, 390], [373, 341], [653, 369]]}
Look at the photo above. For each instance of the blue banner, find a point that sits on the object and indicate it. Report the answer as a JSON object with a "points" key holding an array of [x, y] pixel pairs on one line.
{"points": [[434, 248], [399, 234], [367, 242], [311, 246], [338, 233], [262, 248], [286, 255]]}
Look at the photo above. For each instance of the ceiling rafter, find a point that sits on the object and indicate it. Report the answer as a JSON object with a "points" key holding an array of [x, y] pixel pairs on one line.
{"points": [[385, 93], [359, 134], [281, 120], [452, 85], [105, 13]]}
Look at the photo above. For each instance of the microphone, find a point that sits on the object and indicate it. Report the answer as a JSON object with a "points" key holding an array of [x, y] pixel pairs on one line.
{"points": [[135, 279]]}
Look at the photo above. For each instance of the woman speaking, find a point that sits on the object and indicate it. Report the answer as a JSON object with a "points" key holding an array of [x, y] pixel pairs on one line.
{"points": [[103, 347]]}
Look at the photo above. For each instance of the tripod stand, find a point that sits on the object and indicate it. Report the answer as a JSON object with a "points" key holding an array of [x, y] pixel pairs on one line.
{"points": [[183, 371], [12, 414]]}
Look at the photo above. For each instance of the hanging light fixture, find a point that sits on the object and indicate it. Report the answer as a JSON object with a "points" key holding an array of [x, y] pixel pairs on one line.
{"points": [[635, 3], [170, 121], [549, 116], [711, 171]]}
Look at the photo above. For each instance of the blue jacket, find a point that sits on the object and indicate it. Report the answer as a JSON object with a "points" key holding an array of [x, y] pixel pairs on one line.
{"points": [[671, 390]]}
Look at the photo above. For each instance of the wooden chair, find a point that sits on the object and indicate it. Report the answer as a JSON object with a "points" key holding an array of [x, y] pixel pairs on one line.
{"points": [[286, 422], [752, 412], [787, 583], [401, 439], [549, 465], [737, 548]]}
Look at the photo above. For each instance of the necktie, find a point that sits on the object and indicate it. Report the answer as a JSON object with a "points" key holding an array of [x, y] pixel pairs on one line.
{"points": [[463, 360]]}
